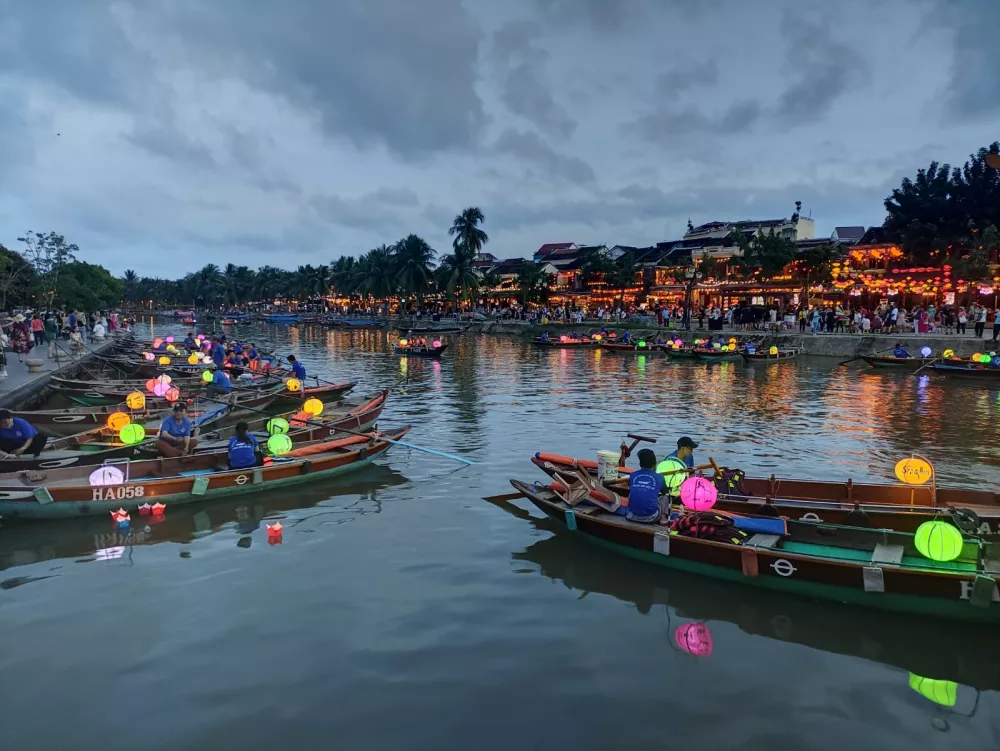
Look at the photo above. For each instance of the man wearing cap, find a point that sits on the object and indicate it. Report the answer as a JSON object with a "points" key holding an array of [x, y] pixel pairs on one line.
{"points": [[685, 451], [175, 437], [18, 437], [220, 382]]}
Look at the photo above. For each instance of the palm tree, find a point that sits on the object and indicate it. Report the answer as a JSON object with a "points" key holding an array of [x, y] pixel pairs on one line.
{"points": [[131, 280], [378, 273], [413, 259], [343, 275], [457, 272], [467, 233], [533, 281]]}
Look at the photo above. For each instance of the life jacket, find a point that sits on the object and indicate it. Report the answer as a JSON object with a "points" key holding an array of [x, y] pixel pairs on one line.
{"points": [[707, 525], [730, 482]]}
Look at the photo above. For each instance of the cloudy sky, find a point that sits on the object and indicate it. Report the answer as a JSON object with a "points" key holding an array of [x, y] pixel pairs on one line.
{"points": [[161, 135]]}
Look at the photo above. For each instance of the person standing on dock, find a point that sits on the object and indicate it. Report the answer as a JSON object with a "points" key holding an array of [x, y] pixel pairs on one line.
{"points": [[218, 352], [18, 437], [51, 333], [297, 368], [980, 320]]}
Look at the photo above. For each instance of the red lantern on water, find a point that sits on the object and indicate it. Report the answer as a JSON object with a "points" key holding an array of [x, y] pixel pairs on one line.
{"points": [[145, 509], [274, 534], [158, 508], [120, 515], [694, 639]]}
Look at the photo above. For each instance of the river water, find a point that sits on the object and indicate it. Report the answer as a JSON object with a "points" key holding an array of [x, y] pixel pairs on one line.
{"points": [[402, 611]]}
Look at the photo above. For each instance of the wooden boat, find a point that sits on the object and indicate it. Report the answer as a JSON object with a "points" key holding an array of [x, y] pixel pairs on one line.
{"points": [[711, 355], [891, 639], [104, 396], [632, 349], [63, 493], [281, 317], [96, 446], [681, 353], [967, 370], [782, 354], [439, 329], [875, 568], [564, 343], [352, 323], [416, 351], [881, 361]]}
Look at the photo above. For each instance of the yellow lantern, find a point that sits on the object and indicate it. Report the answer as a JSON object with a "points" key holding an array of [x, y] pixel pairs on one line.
{"points": [[164, 360], [732, 340], [402, 342], [171, 348], [938, 691], [193, 358], [913, 471], [976, 357], [118, 420], [948, 353], [313, 407], [135, 400], [293, 385], [773, 351], [938, 540]]}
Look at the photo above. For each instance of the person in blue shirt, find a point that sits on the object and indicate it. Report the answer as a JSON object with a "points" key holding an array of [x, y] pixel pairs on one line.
{"points": [[297, 368], [189, 341], [685, 451], [176, 436], [218, 352], [646, 489], [220, 382], [244, 449], [544, 337], [18, 437], [901, 352]]}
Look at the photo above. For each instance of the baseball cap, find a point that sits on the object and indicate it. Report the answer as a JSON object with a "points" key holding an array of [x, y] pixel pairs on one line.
{"points": [[685, 442]]}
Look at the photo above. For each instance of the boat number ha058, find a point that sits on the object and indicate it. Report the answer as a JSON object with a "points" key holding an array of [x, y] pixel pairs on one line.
{"points": [[118, 492], [783, 568]]}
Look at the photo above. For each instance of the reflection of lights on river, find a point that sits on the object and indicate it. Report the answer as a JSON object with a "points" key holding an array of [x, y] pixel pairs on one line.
{"points": [[922, 382], [403, 366], [641, 359]]}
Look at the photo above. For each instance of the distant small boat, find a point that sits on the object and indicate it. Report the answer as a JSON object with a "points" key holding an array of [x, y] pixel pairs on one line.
{"points": [[711, 355], [282, 317], [412, 351], [879, 361], [563, 343], [766, 356]]}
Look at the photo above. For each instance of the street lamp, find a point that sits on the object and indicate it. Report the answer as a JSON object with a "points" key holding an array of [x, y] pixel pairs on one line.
{"points": [[692, 276]]}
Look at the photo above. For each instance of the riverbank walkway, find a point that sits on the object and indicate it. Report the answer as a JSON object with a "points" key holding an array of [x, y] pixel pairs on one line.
{"points": [[22, 386]]}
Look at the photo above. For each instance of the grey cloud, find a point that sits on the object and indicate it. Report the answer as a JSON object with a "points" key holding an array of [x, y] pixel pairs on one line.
{"points": [[974, 91], [529, 147], [375, 211], [695, 75], [825, 68], [666, 125]]}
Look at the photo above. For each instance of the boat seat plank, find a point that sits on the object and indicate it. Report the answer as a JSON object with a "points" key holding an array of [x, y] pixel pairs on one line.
{"points": [[763, 541], [890, 554]]}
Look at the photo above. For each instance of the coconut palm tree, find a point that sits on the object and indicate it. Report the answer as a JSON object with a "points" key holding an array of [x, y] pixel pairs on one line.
{"points": [[343, 275], [413, 260], [533, 281], [467, 233], [378, 273], [131, 280], [457, 273]]}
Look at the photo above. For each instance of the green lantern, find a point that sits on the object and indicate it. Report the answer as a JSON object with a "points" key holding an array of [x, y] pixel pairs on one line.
{"points": [[277, 426], [938, 691], [675, 466], [279, 444], [642, 344], [132, 433], [206, 376], [938, 540]]}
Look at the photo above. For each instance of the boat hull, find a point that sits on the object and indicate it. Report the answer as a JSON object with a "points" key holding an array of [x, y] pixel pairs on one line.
{"points": [[909, 363]]}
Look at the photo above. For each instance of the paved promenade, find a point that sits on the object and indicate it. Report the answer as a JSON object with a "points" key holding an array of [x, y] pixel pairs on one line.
{"points": [[21, 386]]}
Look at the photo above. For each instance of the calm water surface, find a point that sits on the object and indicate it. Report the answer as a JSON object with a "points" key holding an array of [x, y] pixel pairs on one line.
{"points": [[404, 612]]}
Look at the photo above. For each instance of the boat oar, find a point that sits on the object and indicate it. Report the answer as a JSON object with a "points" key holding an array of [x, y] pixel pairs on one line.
{"points": [[868, 354], [352, 432], [929, 362], [500, 498]]}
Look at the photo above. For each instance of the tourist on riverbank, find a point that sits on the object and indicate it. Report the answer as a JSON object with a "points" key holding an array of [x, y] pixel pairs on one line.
{"points": [[996, 324], [963, 317], [37, 329], [980, 320], [20, 337], [51, 334]]}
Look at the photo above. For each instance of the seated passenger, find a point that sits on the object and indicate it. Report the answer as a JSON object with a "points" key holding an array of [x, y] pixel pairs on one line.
{"points": [[645, 491], [244, 449], [900, 351]]}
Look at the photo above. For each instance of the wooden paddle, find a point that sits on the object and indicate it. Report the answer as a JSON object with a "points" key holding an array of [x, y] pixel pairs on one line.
{"points": [[929, 362], [354, 432], [867, 354]]}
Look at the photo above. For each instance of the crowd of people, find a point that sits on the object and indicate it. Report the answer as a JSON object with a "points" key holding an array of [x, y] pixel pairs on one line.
{"points": [[24, 332]]}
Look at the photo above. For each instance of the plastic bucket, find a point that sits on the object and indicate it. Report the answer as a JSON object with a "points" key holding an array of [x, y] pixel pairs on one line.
{"points": [[607, 465]]}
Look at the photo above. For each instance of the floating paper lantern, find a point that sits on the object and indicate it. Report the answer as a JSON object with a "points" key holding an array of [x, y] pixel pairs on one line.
{"points": [[694, 639], [173, 394], [772, 351], [277, 426], [293, 384], [674, 473], [144, 509], [913, 471], [156, 343], [149, 355], [206, 376], [119, 514], [698, 494], [169, 340], [403, 342], [192, 359], [118, 420], [279, 444], [437, 343], [135, 400], [274, 534], [938, 540], [925, 351], [164, 360], [313, 407], [132, 433], [159, 508], [106, 476], [160, 389], [948, 353], [938, 691]]}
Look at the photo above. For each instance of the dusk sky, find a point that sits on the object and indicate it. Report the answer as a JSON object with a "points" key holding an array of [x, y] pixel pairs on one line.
{"points": [[162, 135]]}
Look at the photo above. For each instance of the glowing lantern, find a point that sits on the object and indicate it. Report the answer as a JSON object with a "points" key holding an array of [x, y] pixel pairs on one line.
{"points": [[694, 639], [274, 534], [164, 360], [673, 471], [164, 378], [293, 384], [597, 337], [279, 444], [940, 692], [948, 353], [150, 385], [169, 340], [313, 407], [277, 426], [675, 345], [698, 494], [118, 420], [403, 342], [172, 349], [913, 471], [206, 376], [132, 433], [975, 357], [772, 351], [563, 338], [144, 509], [119, 514], [925, 351], [201, 337], [106, 476], [173, 394], [135, 400], [717, 345], [156, 343], [192, 359], [938, 540], [437, 343], [160, 389], [149, 355], [732, 340], [642, 344], [159, 508]]}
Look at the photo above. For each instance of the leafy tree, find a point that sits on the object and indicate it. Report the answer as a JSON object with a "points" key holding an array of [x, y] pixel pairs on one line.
{"points": [[457, 273], [376, 270], [467, 232], [768, 252], [343, 274], [49, 253], [414, 260], [533, 281], [17, 278], [89, 287]]}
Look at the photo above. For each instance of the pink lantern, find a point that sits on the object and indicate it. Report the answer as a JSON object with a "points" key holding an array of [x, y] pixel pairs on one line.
{"points": [[201, 337], [694, 639], [437, 343], [698, 494], [157, 342], [170, 340], [160, 389], [149, 355], [173, 394], [563, 338]]}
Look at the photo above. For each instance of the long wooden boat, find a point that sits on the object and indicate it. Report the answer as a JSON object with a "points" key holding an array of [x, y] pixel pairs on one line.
{"points": [[67, 493], [967, 370], [782, 354], [681, 353], [439, 329], [913, 645], [711, 355], [416, 351], [285, 399], [881, 361], [874, 568], [281, 317], [103, 397], [632, 349], [875, 505], [564, 343]]}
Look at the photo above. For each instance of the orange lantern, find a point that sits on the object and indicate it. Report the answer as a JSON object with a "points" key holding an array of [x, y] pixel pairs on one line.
{"points": [[118, 420], [135, 400]]}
